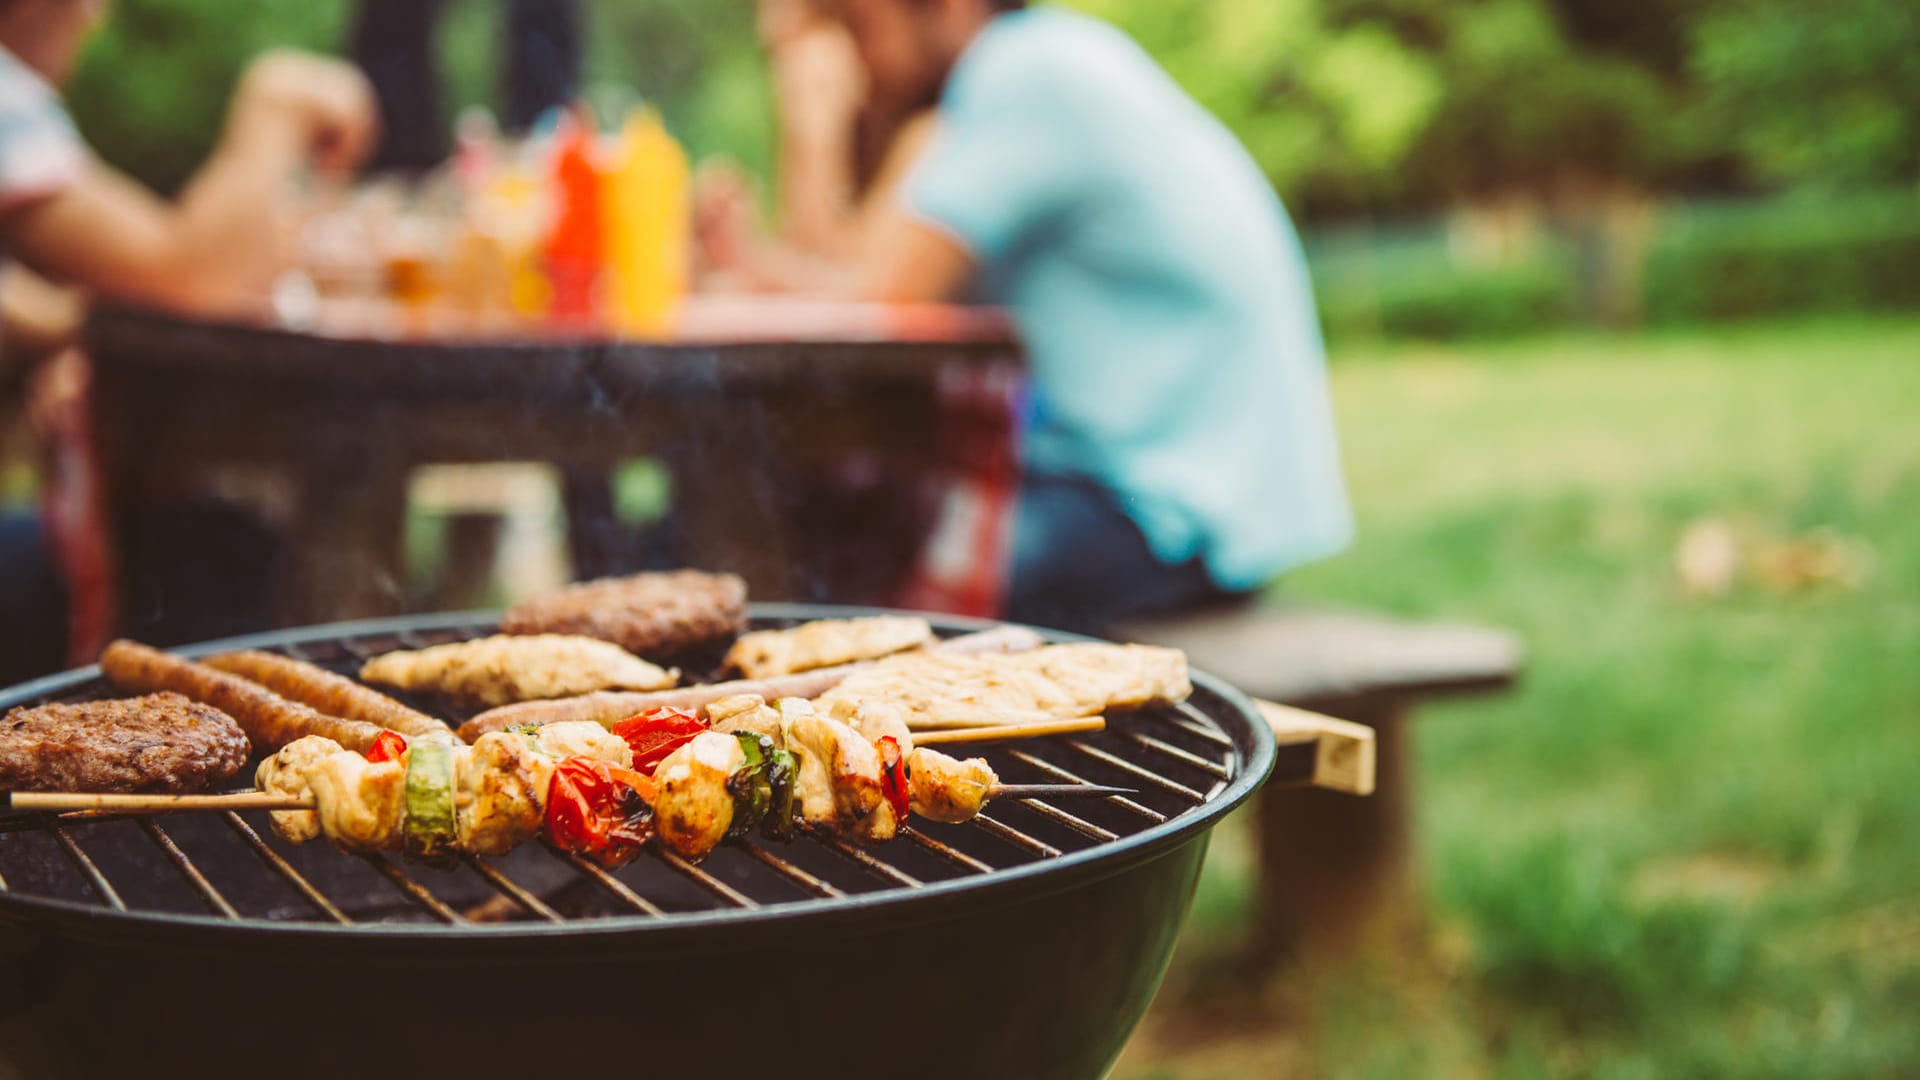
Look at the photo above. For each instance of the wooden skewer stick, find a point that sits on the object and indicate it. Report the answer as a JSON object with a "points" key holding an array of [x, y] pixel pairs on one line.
{"points": [[55, 802], [64, 802], [1003, 732]]}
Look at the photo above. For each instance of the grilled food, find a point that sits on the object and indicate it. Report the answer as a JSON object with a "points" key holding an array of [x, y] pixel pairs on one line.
{"points": [[487, 799], [587, 791], [611, 708], [948, 789], [654, 614], [157, 743], [335, 695], [1057, 682], [826, 643], [270, 721], [503, 669]]}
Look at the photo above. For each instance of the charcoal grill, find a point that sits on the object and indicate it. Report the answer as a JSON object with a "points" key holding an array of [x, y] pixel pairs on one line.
{"points": [[1025, 943]]}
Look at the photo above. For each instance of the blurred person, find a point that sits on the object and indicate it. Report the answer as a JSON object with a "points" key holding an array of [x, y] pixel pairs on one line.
{"points": [[1182, 448], [843, 153], [392, 41], [79, 223]]}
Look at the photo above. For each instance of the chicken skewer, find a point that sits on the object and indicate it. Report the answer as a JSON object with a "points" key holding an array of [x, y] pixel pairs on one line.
{"points": [[431, 797]]}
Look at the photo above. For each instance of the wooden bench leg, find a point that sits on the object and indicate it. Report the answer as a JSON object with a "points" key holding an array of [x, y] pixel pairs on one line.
{"points": [[1335, 870]]}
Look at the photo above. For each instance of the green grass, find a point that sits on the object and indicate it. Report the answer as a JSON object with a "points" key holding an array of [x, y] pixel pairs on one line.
{"points": [[1687, 844]]}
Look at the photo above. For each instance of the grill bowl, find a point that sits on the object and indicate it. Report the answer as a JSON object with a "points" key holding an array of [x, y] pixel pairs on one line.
{"points": [[1038, 967]]}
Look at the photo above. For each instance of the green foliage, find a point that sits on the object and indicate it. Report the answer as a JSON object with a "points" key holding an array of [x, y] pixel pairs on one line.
{"points": [[1823, 94], [152, 86], [1800, 255], [1449, 303], [1683, 845]]}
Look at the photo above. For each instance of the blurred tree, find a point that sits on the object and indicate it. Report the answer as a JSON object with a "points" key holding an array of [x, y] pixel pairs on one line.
{"points": [[1821, 94], [152, 88]]}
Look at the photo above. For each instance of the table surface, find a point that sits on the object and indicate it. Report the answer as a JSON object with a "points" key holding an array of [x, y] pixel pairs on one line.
{"points": [[753, 405]]}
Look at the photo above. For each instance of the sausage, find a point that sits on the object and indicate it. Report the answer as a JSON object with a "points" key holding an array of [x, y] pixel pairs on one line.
{"points": [[269, 720], [611, 708], [325, 691]]}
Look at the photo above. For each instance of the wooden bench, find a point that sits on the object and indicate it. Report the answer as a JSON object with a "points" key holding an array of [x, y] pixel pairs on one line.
{"points": [[1335, 870]]}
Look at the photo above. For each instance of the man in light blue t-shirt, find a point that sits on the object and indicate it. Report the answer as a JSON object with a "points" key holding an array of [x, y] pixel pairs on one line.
{"points": [[1182, 445]]}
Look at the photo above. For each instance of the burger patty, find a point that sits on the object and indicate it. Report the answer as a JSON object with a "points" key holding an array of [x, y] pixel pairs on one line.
{"points": [[652, 614], [157, 743]]}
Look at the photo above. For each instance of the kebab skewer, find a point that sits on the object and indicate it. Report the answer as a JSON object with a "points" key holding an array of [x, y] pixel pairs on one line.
{"points": [[581, 789]]}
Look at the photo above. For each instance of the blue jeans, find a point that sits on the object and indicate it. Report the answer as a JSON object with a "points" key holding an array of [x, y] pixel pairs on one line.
{"points": [[33, 603], [1081, 564]]}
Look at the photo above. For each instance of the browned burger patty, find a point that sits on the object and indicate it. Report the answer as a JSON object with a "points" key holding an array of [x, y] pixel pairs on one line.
{"points": [[157, 743], [648, 614]]}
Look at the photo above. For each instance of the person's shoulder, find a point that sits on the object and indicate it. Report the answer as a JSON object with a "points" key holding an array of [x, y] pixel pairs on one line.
{"points": [[1048, 50]]}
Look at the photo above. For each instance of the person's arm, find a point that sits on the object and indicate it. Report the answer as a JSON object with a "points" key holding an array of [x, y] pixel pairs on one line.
{"points": [[208, 251], [37, 317]]}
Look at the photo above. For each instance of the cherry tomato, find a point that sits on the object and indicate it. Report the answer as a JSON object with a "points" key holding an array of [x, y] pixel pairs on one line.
{"points": [[656, 733], [599, 810]]}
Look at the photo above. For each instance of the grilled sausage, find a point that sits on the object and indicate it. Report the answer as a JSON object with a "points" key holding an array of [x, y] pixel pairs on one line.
{"points": [[611, 708], [269, 720], [333, 694]]}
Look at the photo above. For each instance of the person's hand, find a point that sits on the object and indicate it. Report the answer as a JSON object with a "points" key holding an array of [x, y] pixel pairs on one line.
{"points": [[57, 396], [325, 103], [723, 219]]}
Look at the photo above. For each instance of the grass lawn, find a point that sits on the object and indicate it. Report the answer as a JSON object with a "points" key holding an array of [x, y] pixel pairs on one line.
{"points": [[1689, 844]]}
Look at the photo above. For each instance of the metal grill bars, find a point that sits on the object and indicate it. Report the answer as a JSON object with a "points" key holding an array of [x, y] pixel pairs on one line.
{"points": [[1141, 753]]}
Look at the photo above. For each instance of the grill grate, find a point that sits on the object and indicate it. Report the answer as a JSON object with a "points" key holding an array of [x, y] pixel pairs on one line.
{"points": [[231, 867]]}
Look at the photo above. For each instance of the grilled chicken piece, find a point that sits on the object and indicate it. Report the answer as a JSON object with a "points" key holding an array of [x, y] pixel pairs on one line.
{"points": [[744, 713], [503, 669], [500, 795], [826, 643], [1057, 682], [947, 789], [838, 785], [362, 804], [582, 738], [875, 720], [694, 809], [285, 773]]}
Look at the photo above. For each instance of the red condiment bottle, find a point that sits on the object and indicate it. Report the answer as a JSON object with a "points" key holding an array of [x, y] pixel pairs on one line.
{"points": [[574, 252]]}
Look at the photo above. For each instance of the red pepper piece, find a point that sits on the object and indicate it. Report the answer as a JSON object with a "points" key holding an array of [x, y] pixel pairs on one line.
{"points": [[893, 777], [389, 746], [656, 733]]}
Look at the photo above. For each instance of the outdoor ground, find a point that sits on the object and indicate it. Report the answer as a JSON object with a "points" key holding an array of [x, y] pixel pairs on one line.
{"points": [[1687, 845]]}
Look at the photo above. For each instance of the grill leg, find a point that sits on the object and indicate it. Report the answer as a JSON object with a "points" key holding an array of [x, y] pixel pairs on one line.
{"points": [[1336, 872]]}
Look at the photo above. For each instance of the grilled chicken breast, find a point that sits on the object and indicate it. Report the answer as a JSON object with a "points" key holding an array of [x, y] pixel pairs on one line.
{"points": [[500, 794], [694, 809], [361, 803], [947, 789], [746, 712], [1057, 682], [828, 642], [838, 785], [285, 773], [582, 738], [504, 669]]}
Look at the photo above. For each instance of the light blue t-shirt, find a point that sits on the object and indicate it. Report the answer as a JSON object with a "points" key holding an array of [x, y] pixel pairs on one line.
{"points": [[1158, 285]]}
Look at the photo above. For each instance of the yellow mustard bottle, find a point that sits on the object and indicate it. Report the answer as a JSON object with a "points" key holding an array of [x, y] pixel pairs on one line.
{"points": [[647, 223]]}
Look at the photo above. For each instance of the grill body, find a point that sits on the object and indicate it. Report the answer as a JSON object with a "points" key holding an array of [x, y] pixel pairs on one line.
{"points": [[1034, 966]]}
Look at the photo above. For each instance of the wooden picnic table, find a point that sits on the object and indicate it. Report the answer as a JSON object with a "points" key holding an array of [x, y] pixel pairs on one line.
{"points": [[749, 405]]}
